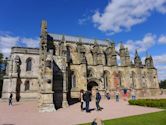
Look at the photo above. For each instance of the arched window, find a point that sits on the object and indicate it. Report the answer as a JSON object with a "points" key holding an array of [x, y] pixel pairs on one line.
{"points": [[29, 64], [69, 58], [106, 61], [117, 79], [27, 85], [90, 73], [73, 80]]}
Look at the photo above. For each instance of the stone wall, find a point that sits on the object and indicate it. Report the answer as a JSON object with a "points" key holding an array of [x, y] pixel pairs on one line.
{"points": [[25, 76], [117, 75]]}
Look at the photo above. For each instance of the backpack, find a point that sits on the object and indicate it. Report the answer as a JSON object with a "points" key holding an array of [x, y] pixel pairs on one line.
{"points": [[84, 97]]}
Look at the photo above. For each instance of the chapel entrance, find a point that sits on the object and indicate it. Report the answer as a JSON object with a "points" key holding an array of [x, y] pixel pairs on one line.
{"points": [[91, 85]]}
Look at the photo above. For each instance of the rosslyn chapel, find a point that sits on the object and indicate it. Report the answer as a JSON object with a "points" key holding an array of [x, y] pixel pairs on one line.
{"points": [[55, 72]]}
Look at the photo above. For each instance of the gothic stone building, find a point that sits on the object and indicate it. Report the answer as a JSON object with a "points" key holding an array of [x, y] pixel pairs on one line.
{"points": [[55, 72]]}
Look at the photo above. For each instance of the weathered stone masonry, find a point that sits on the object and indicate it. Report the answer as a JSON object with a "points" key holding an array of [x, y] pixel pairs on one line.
{"points": [[55, 72]]}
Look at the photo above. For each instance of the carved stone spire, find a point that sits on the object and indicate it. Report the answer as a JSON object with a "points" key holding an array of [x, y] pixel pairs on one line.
{"points": [[127, 52], [121, 46], [43, 51], [63, 38], [62, 45], [149, 62], [122, 54], [80, 40], [43, 27], [136, 53], [127, 57], [137, 60]]}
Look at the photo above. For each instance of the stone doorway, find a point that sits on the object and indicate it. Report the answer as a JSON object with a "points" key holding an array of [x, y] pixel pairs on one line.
{"points": [[57, 86], [91, 85]]}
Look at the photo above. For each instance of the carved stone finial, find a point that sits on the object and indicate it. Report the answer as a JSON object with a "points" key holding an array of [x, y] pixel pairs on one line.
{"points": [[63, 38], [44, 26], [136, 53], [108, 42], [95, 42], [79, 41], [121, 45], [127, 51]]}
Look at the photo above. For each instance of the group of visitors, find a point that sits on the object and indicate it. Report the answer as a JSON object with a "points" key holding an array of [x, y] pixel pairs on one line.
{"points": [[125, 94], [85, 97]]}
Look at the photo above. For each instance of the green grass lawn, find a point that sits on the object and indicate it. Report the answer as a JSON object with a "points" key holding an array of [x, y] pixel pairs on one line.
{"points": [[157, 118]]}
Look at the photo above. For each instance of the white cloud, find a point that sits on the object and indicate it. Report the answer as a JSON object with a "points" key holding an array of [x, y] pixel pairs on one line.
{"points": [[161, 72], [82, 21], [8, 41], [142, 45], [148, 41], [29, 42], [162, 39], [161, 59], [123, 14]]}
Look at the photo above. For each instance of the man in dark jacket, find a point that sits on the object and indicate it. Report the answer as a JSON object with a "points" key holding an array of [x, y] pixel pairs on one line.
{"points": [[87, 100], [98, 98]]}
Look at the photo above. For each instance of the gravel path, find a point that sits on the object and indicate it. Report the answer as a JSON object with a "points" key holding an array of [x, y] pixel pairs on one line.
{"points": [[26, 113]]}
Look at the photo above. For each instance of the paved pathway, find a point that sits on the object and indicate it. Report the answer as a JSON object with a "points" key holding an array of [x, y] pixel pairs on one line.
{"points": [[26, 113]]}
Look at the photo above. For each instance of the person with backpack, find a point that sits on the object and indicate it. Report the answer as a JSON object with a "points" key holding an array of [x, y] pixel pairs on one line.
{"points": [[87, 99], [98, 98]]}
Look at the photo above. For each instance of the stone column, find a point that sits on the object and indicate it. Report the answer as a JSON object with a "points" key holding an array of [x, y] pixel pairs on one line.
{"points": [[64, 103], [46, 97], [46, 102]]}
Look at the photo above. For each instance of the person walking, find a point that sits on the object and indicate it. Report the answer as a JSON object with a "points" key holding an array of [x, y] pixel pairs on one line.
{"points": [[117, 95], [81, 99], [10, 99], [125, 94], [87, 98], [133, 94], [98, 98], [107, 95]]}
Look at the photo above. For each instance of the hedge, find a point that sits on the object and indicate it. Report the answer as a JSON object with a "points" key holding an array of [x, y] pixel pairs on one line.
{"points": [[160, 103]]}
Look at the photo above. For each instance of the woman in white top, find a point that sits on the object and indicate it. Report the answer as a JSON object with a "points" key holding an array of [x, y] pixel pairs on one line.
{"points": [[81, 99]]}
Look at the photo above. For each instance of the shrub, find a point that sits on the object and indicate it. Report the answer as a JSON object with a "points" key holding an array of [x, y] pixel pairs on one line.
{"points": [[160, 103]]}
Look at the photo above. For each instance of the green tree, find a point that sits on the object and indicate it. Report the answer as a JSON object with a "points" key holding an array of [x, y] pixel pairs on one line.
{"points": [[163, 84]]}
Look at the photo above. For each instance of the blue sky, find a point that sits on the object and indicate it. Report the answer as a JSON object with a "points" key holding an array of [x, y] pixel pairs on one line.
{"points": [[138, 24]]}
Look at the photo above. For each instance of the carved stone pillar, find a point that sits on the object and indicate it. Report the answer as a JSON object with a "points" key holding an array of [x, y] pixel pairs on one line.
{"points": [[64, 102]]}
